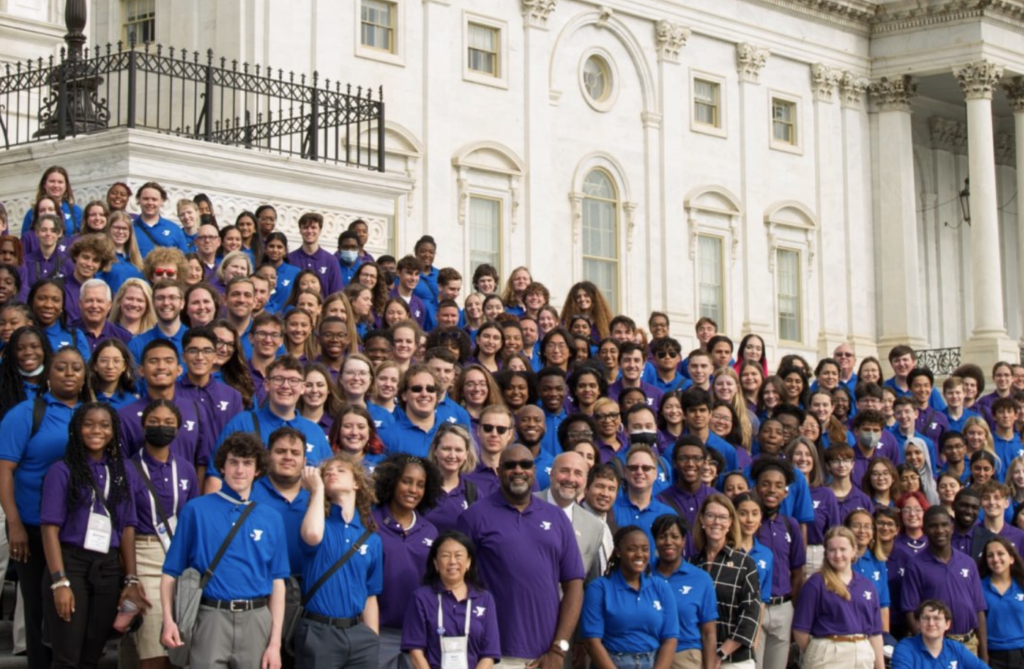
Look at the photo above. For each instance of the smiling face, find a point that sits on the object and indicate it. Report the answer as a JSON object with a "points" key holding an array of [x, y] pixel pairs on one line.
{"points": [[29, 352], [421, 395], [387, 383], [48, 304], [97, 431], [355, 377], [451, 453], [354, 433], [315, 390], [452, 563], [634, 554], [286, 459], [771, 488]]}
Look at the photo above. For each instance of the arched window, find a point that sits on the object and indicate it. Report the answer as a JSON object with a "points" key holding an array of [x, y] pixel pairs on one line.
{"points": [[600, 235]]}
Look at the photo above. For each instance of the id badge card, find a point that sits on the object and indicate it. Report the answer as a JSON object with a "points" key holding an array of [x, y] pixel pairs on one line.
{"points": [[98, 533], [164, 535], [455, 652]]}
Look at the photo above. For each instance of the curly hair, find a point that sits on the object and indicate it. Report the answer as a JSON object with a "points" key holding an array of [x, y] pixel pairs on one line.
{"points": [[388, 473], [12, 387], [365, 496], [380, 289], [99, 245], [451, 338], [599, 314], [164, 255], [81, 483]]}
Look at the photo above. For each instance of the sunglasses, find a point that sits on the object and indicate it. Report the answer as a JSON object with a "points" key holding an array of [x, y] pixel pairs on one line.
{"points": [[419, 389], [510, 465], [500, 429], [647, 469], [159, 271], [667, 353]]}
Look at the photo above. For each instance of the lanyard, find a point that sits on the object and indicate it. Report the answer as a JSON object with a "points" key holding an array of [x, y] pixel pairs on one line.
{"points": [[174, 485], [440, 616], [106, 492]]}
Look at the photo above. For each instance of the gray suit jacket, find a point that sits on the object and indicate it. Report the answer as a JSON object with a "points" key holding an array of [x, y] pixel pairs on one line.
{"points": [[590, 533]]}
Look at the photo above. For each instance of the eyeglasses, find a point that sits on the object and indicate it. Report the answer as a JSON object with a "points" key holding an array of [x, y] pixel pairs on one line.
{"points": [[489, 428], [333, 336], [474, 385], [220, 343], [283, 380], [263, 334], [717, 517], [646, 469], [666, 353], [606, 416], [193, 351], [206, 238], [169, 273], [510, 465], [417, 389]]}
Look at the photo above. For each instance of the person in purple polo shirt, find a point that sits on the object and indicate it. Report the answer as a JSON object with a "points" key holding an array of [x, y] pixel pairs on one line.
{"points": [[409, 269], [688, 492], [312, 257], [406, 486], [631, 362], [454, 453], [494, 433], [838, 619], [90, 255], [931, 422], [951, 577], [968, 536], [94, 303], [527, 554], [868, 427], [839, 461], [219, 401]]}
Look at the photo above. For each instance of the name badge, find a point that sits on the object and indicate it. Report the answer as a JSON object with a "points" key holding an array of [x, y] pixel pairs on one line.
{"points": [[455, 651], [98, 533], [164, 535]]}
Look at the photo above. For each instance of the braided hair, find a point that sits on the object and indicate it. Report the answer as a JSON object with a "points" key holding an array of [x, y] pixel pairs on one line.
{"points": [[80, 485], [12, 387]]}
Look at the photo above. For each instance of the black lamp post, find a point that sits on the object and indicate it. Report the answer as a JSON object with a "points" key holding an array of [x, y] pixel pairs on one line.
{"points": [[965, 202]]}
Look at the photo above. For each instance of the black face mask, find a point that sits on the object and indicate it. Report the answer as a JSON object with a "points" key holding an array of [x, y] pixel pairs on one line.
{"points": [[160, 435], [389, 278], [647, 438], [206, 219]]}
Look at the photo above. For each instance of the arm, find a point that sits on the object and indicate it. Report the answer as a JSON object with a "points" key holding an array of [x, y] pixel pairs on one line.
{"points": [[371, 614], [982, 637], [802, 639], [170, 637], [312, 530], [708, 643], [272, 655], [16, 534], [876, 645], [485, 663], [201, 476], [796, 577], [132, 590], [568, 616], [598, 654], [885, 619], [418, 659], [63, 598], [666, 653]]}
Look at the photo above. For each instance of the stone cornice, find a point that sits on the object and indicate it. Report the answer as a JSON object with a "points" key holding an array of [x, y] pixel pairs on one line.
{"points": [[901, 15]]}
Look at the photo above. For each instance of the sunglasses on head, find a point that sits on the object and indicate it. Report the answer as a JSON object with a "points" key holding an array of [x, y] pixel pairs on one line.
{"points": [[510, 465], [419, 389], [500, 429]]}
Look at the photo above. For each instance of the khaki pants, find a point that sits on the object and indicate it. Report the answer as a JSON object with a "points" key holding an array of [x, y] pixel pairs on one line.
{"points": [[828, 654], [815, 556], [687, 659], [149, 564], [776, 632]]}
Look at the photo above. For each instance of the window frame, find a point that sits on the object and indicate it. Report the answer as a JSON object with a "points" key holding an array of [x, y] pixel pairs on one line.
{"points": [[719, 130], [606, 103], [798, 299], [722, 316], [397, 54], [500, 78], [126, 24], [615, 299], [500, 203], [795, 146]]}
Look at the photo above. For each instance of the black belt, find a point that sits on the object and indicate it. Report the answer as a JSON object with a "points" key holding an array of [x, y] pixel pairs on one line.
{"points": [[236, 605], [340, 623], [775, 601]]}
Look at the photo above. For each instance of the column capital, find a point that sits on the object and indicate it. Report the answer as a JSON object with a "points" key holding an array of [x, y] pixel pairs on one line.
{"points": [[1015, 92], [750, 60], [851, 89], [977, 79], [536, 12], [670, 38], [893, 94], [948, 134], [824, 81]]}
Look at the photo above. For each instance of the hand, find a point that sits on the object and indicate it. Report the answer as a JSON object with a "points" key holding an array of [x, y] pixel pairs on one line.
{"points": [[272, 655], [171, 638], [137, 594], [311, 479], [17, 537], [548, 660], [64, 600]]}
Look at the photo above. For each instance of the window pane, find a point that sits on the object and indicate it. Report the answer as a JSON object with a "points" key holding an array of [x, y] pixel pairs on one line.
{"points": [[597, 184], [603, 275], [710, 277], [483, 49], [705, 102], [600, 247], [484, 233], [140, 20], [595, 78], [788, 277], [377, 24], [783, 122]]}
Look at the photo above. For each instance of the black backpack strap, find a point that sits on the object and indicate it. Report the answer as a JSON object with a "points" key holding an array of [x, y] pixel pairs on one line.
{"points": [[145, 231], [208, 574], [336, 566], [152, 492], [255, 424], [471, 493], [38, 414]]}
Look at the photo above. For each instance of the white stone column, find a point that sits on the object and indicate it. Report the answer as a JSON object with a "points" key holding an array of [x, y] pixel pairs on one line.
{"points": [[899, 290], [988, 341], [1015, 92]]}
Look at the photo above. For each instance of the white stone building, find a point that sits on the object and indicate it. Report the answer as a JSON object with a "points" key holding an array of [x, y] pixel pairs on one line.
{"points": [[790, 167]]}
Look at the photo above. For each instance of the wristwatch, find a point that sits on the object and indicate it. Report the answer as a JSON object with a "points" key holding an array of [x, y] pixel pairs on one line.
{"points": [[721, 655], [562, 645]]}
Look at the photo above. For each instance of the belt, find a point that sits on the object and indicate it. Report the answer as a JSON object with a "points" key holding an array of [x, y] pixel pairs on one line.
{"points": [[775, 601], [340, 623], [147, 538], [962, 638], [849, 638], [236, 605]]}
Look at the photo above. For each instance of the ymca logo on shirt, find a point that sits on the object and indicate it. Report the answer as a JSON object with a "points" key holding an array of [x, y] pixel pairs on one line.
{"points": [[1020, 598], [428, 542], [763, 564], [789, 539], [363, 549], [190, 425], [451, 419], [478, 611], [323, 270], [309, 447], [817, 503], [965, 572], [285, 283], [465, 505], [657, 605], [184, 484], [256, 535], [545, 525], [167, 233], [223, 406], [876, 575], [685, 590], [867, 595]]}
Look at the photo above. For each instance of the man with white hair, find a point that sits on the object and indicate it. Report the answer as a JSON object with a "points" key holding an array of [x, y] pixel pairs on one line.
{"points": [[847, 361], [95, 300]]}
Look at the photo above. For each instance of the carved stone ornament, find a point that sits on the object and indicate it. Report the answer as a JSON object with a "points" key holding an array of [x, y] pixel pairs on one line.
{"points": [[536, 12], [824, 80], [670, 38], [629, 208], [851, 89], [978, 79], [1015, 92], [605, 15], [750, 60], [893, 94], [947, 134]]}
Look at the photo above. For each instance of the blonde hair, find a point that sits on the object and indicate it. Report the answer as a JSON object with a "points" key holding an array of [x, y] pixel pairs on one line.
{"points": [[228, 259], [989, 443], [365, 495], [460, 431], [738, 404], [148, 319], [1016, 462], [131, 247], [833, 583], [733, 537]]}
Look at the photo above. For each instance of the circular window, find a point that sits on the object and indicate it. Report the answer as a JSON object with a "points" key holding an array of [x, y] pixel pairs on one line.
{"points": [[597, 79]]}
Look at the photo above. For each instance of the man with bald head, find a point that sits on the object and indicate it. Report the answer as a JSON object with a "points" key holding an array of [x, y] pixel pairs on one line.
{"points": [[847, 362], [527, 555], [568, 483]]}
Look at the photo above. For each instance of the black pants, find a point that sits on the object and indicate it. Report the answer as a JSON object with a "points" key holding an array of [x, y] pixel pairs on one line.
{"points": [[1006, 659], [30, 580], [96, 583]]}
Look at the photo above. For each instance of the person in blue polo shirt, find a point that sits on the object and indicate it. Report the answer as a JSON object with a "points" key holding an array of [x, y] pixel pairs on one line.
{"points": [[152, 229], [348, 255], [629, 618], [427, 290], [637, 504], [242, 608], [413, 429], [284, 380], [662, 371], [931, 649], [168, 301], [903, 359], [46, 300], [696, 405], [340, 622], [1002, 584]]}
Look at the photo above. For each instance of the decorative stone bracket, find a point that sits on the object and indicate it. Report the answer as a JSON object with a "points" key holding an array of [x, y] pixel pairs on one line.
{"points": [[670, 38]]}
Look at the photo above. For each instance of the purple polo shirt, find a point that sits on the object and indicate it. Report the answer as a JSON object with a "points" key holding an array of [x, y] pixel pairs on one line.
{"points": [[323, 264], [218, 401], [685, 503], [451, 504], [855, 500], [487, 481], [964, 541], [72, 524], [523, 557], [932, 424], [955, 583], [37, 267], [260, 384], [1014, 536], [160, 475], [826, 514], [405, 562], [782, 536], [608, 453], [72, 296], [109, 331], [652, 393], [913, 547], [419, 631], [820, 612], [887, 448], [417, 308], [194, 442]]}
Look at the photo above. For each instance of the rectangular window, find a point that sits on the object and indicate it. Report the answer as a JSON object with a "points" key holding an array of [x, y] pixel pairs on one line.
{"points": [[484, 233], [706, 102], [784, 121], [787, 273], [139, 21], [378, 25], [484, 45], [710, 278]]}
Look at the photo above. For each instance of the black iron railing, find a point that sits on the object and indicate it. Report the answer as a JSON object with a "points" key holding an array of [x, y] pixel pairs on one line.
{"points": [[942, 361], [182, 93]]}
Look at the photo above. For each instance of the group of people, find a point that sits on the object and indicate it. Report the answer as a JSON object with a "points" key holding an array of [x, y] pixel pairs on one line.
{"points": [[372, 471]]}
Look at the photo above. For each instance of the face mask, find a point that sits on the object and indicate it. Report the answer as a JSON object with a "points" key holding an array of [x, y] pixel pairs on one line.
{"points": [[349, 257], [647, 438], [389, 278], [206, 219], [160, 435], [869, 439]]}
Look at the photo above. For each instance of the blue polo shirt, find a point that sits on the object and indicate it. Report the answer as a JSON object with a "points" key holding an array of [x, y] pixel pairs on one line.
{"points": [[164, 233], [345, 592], [317, 448], [628, 513], [68, 336], [549, 444], [764, 560], [1006, 449], [286, 274], [292, 512], [255, 558], [650, 377], [402, 436], [935, 401], [118, 400], [1005, 617], [450, 411], [628, 620], [426, 290], [72, 219], [876, 571], [33, 456], [911, 653], [957, 424], [138, 343], [696, 602], [347, 271]]}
